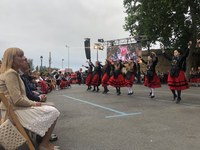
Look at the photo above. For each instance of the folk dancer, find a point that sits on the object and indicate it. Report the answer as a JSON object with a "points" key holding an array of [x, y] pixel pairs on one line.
{"points": [[106, 75], [176, 77], [96, 79], [88, 79], [117, 79], [130, 67], [151, 79]]}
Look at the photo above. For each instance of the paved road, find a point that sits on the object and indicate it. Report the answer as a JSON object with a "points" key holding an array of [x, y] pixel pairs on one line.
{"points": [[94, 121]]}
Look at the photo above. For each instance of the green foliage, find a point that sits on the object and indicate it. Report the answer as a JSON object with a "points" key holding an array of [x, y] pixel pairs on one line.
{"points": [[173, 22], [30, 61], [37, 68]]}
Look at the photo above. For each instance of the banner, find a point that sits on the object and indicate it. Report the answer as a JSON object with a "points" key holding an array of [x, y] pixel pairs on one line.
{"points": [[124, 52]]}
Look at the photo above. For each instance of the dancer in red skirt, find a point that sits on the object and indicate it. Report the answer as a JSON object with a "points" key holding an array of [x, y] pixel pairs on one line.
{"points": [[198, 76], [176, 77], [117, 79], [129, 75], [88, 79], [106, 75], [96, 79], [151, 79]]}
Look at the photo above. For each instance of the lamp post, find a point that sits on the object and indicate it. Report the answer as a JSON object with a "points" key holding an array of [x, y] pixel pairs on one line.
{"points": [[148, 46], [96, 46], [62, 63], [67, 56], [97, 54], [41, 57]]}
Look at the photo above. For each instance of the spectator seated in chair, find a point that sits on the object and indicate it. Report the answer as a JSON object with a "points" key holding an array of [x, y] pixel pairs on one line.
{"points": [[24, 74], [34, 116]]}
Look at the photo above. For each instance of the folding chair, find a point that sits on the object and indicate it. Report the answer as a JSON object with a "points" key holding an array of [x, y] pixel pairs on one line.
{"points": [[16, 121]]}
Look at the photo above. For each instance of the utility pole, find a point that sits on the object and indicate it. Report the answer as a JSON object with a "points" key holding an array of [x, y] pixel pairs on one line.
{"points": [[49, 60], [41, 57], [68, 56]]}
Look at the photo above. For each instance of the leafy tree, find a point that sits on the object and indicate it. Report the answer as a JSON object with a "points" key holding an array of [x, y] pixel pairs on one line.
{"points": [[30, 61], [172, 22], [37, 68]]}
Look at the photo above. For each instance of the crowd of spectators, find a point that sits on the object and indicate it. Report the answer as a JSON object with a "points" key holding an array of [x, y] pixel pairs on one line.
{"points": [[195, 76]]}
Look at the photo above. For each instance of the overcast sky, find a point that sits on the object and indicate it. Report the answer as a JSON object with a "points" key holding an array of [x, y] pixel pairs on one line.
{"points": [[42, 26]]}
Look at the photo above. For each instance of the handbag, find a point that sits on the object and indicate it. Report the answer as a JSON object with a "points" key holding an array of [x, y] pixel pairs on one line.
{"points": [[10, 137]]}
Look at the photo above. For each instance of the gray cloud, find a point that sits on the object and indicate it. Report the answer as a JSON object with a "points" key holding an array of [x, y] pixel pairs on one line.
{"points": [[43, 26]]}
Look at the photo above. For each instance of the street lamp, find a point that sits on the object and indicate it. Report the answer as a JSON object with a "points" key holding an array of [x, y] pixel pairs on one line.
{"points": [[148, 46], [98, 46], [41, 57], [62, 63], [67, 56]]}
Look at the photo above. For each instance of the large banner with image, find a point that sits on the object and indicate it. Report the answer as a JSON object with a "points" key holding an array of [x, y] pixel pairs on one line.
{"points": [[124, 52]]}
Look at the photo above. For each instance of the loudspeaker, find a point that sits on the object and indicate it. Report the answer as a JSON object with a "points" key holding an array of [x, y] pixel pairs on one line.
{"points": [[87, 48]]}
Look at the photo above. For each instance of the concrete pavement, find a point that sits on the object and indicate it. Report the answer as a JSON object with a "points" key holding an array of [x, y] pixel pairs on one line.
{"points": [[95, 121]]}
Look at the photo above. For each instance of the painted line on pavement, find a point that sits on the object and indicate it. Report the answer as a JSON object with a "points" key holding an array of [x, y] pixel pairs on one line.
{"points": [[125, 114], [120, 114]]}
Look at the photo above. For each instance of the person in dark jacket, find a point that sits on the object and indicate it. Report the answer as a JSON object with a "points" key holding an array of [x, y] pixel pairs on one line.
{"points": [[130, 68], [176, 77], [96, 79], [106, 75], [24, 74], [88, 79], [117, 79], [151, 79]]}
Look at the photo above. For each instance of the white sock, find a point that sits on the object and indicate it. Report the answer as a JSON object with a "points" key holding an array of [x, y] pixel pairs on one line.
{"points": [[150, 89], [131, 90], [153, 90]]}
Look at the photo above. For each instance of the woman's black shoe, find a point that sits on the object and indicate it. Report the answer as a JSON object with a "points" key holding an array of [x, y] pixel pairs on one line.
{"points": [[130, 93], [106, 91], [150, 93], [152, 96], [178, 100], [175, 96], [54, 137], [119, 93]]}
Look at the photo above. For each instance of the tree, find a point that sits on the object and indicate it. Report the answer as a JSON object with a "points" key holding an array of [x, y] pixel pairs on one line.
{"points": [[30, 61], [172, 22], [37, 68]]}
